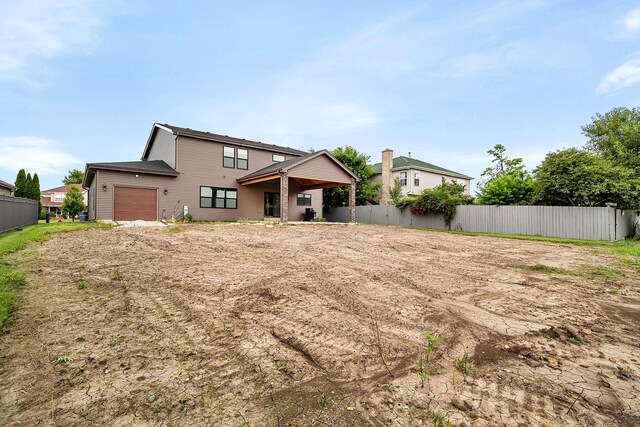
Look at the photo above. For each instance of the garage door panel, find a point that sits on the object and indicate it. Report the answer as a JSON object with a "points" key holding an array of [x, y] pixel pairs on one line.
{"points": [[131, 204]]}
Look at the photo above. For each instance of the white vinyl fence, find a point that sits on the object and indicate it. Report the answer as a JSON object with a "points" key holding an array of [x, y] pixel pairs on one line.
{"points": [[551, 221], [16, 212]]}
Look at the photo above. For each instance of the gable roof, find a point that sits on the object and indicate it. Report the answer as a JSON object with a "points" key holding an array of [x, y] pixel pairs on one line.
{"points": [[61, 189], [214, 137], [288, 164], [7, 185], [151, 167], [403, 162]]}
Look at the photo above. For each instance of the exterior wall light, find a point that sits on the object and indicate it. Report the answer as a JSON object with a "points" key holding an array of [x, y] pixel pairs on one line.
{"points": [[166, 191], [104, 187]]}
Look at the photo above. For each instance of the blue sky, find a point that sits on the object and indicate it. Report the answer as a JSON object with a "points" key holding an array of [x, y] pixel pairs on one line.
{"points": [[83, 81]]}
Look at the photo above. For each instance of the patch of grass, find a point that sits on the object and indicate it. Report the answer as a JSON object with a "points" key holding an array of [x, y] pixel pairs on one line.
{"points": [[463, 364], [116, 341], [62, 360], [596, 273], [614, 291], [388, 387], [81, 284], [324, 402], [439, 420], [11, 281], [539, 268], [574, 341], [633, 262], [602, 273]]}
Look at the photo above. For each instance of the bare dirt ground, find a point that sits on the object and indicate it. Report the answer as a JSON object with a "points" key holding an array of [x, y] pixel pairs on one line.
{"points": [[254, 325]]}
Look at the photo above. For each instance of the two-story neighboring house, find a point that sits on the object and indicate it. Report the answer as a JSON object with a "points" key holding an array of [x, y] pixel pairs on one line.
{"points": [[6, 189], [415, 175], [52, 199], [212, 177]]}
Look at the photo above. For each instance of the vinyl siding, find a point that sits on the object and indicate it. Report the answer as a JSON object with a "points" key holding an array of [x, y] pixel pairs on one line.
{"points": [[320, 168], [163, 147], [5, 191], [200, 164]]}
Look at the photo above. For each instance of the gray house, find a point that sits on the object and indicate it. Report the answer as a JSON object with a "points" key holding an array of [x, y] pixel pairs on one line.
{"points": [[213, 177]]}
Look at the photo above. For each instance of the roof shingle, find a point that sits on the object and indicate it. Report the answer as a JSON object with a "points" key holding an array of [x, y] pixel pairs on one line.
{"points": [[403, 162]]}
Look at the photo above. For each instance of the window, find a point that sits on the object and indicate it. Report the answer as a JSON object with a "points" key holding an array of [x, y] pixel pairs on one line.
{"points": [[243, 158], [222, 198], [304, 199], [229, 157], [59, 199], [403, 178], [416, 179], [278, 158]]}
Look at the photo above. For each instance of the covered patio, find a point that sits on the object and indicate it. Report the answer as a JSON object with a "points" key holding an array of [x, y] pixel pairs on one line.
{"points": [[311, 172]]}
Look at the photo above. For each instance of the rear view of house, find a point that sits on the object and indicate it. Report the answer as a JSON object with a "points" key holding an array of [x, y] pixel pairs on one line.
{"points": [[6, 189], [51, 199], [212, 177]]}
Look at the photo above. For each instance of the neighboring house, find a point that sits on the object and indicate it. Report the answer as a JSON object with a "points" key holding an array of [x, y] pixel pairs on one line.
{"points": [[52, 199], [415, 175], [213, 177], [6, 189]]}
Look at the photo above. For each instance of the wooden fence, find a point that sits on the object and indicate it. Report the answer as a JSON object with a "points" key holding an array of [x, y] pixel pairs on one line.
{"points": [[600, 223], [16, 212]]}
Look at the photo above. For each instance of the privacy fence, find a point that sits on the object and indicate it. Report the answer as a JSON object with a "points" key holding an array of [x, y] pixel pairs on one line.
{"points": [[16, 212], [551, 221]]}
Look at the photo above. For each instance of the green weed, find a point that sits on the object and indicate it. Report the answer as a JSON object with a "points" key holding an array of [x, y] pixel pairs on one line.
{"points": [[324, 402], [62, 360], [388, 387], [463, 364], [81, 284], [423, 365], [574, 341], [614, 291], [439, 420], [115, 276]]}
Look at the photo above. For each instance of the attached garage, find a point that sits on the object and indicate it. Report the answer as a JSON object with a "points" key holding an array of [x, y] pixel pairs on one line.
{"points": [[132, 203]]}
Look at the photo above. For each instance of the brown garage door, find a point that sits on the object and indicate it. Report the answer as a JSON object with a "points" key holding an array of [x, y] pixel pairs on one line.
{"points": [[131, 204]]}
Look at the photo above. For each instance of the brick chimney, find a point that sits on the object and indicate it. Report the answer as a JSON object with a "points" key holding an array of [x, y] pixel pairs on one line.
{"points": [[387, 177]]}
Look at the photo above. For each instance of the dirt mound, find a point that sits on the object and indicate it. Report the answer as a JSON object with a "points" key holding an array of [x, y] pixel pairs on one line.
{"points": [[295, 325]]}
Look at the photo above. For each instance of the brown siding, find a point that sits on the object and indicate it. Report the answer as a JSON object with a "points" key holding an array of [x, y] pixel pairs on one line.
{"points": [[163, 147], [5, 191], [320, 168], [200, 164]]}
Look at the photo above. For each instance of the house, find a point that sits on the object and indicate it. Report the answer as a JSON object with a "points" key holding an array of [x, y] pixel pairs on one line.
{"points": [[6, 189], [415, 175], [213, 177], [52, 199]]}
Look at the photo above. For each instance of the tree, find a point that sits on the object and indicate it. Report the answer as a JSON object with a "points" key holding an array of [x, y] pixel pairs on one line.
{"points": [[28, 188], [357, 163], [507, 181], [35, 189], [577, 177], [73, 202], [616, 136], [74, 176], [442, 199], [21, 184]]}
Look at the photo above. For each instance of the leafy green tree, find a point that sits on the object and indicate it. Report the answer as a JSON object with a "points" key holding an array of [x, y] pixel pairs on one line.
{"points": [[616, 136], [357, 163], [73, 202], [442, 199], [21, 184], [396, 191], [507, 182], [74, 176], [577, 177]]}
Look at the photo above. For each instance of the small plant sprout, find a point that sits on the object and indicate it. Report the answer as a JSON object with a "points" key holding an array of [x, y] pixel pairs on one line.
{"points": [[423, 365], [81, 284], [62, 360], [463, 364], [574, 340], [324, 402], [614, 291], [439, 420], [115, 276], [388, 387]]}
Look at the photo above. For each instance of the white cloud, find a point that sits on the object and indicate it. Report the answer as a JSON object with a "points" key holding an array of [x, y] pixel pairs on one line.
{"points": [[36, 155], [631, 21], [627, 74], [36, 30]]}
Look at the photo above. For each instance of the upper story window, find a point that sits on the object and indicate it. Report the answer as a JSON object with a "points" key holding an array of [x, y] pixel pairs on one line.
{"points": [[278, 158], [243, 158], [416, 179], [229, 157], [403, 178], [59, 198]]}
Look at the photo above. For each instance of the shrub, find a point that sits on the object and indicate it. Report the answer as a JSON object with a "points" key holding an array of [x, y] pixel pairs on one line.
{"points": [[188, 218], [442, 199], [320, 219]]}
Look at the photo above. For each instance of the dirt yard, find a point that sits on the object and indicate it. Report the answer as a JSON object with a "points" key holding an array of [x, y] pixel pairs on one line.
{"points": [[319, 325]]}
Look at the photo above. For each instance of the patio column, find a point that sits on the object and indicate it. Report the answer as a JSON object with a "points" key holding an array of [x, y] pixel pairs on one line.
{"points": [[352, 201], [284, 197]]}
